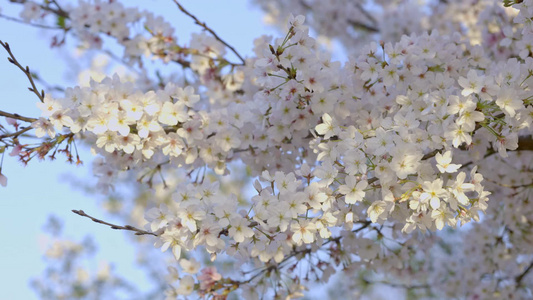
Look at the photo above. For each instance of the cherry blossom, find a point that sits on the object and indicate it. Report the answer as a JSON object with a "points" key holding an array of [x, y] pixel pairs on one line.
{"points": [[289, 160]]}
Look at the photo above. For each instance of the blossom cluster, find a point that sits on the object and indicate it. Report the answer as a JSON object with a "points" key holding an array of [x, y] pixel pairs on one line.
{"points": [[356, 23], [140, 125], [94, 21]]}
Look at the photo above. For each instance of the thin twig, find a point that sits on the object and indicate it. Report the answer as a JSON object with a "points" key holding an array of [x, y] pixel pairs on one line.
{"points": [[57, 5], [26, 71], [31, 24], [113, 226], [356, 24], [58, 12], [121, 61], [365, 12], [363, 26], [204, 26]]}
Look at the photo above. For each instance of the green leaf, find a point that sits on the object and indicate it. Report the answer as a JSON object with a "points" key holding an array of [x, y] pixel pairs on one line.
{"points": [[61, 22], [508, 3]]}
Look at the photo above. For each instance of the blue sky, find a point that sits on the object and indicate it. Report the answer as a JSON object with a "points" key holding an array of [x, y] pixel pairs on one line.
{"points": [[40, 189]]}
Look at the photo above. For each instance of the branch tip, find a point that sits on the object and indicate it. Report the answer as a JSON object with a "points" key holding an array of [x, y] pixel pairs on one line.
{"points": [[114, 226]]}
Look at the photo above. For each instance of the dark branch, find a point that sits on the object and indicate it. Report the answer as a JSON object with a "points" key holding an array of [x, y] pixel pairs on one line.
{"points": [[520, 277], [15, 134], [205, 27], [363, 26], [31, 24], [366, 13], [525, 143], [58, 6], [26, 71], [17, 117], [113, 226]]}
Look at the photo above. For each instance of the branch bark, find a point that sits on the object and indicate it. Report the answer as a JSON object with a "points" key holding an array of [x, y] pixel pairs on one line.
{"points": [[15, 134], [520, 277], [17, 117], [113, 226]]}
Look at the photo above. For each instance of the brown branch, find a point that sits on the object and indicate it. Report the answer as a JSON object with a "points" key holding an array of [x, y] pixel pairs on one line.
{"points": [[363, 26], [525, 143], [17, 133], [366, 13], [430, 155], [205, 27], [61, 10], [26, 71], [520, 277], [113, 226], [17, 117]]}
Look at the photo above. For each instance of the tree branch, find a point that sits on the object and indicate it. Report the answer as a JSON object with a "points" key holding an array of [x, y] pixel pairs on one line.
{"points": [[17, 117], [366, 14], [26, 71], [205, 27], [31, 24], [113, 226], [363, 26], [15, 134], [59, 8], [520, 277], [525, 143]]}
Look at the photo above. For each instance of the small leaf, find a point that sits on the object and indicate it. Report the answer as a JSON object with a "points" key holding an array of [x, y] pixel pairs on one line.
{"points": [[61, 22]]}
